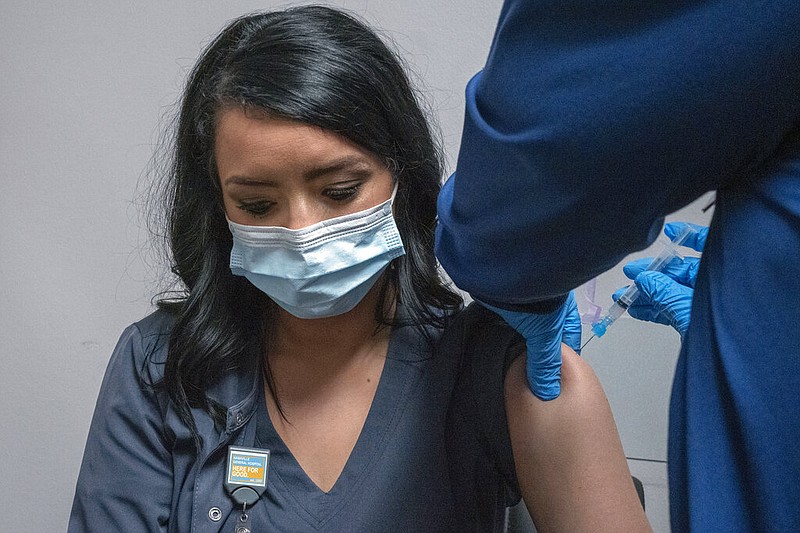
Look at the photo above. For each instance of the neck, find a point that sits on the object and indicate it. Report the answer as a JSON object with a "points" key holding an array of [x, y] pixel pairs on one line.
{"points": [[311, 359], [328, 340]]}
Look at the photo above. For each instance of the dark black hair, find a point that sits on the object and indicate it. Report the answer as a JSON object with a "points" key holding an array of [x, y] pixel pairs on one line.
{"points": [[322, 67]]}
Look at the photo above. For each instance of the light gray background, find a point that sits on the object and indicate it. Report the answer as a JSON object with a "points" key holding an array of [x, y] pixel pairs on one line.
{"points": [[84, 92]]}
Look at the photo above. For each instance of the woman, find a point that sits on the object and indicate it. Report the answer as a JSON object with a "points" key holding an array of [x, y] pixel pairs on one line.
{"points": [[315, 325]]}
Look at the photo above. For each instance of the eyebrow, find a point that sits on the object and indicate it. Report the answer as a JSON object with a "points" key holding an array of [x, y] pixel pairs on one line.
{"points": [[348, 162], [352, 163]]}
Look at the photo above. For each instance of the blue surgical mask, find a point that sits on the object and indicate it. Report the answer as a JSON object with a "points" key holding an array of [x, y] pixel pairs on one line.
{"points": [[321, 270]]}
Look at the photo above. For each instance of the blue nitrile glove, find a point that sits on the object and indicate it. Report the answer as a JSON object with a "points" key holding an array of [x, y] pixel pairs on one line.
{"points": [[571, 334], [544, 334], [666, 297]]}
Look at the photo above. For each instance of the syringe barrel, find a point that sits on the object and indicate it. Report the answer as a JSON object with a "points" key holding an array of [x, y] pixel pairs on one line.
{"points": [[669, 251], [664, 256], [627, 298], [617, 310]]}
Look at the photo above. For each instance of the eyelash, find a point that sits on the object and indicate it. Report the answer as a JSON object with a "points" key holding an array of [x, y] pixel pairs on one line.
{"points": [[342, 194], [259, 209], [256, 209]]}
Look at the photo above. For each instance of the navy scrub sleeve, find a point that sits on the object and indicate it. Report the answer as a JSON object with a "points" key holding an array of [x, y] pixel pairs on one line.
{"points": [[589, 123], [593, 120], [126, 478]]}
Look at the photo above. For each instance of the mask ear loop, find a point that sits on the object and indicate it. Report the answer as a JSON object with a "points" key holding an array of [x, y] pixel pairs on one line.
{"points": [[393, 264], [388, 205]]}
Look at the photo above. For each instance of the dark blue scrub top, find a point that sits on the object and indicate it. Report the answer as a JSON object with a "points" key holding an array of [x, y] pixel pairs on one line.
{"points": [[434, 454]]}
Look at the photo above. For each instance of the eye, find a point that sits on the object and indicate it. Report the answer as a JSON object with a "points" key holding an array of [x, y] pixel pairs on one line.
{"points": [[256, 208], [342, 194]]}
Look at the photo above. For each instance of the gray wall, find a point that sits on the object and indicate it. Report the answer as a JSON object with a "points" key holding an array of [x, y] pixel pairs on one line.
{"points": [[85, 91]]}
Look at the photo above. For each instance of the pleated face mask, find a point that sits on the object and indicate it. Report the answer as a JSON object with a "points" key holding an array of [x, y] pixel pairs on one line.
{"points": [[321, 270]]}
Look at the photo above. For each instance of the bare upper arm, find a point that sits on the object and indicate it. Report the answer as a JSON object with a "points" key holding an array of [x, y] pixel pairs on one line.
{"points": [[568, 457]]}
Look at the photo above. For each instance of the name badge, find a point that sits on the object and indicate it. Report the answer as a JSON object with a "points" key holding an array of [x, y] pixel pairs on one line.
{"points": [[246, 481], [247, 467]]}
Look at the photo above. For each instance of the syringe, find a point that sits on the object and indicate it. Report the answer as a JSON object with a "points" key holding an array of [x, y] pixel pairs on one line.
{"points": [[629, 296]]}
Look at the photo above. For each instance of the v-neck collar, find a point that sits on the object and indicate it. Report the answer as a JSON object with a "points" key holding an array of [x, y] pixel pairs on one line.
{"points": [[399, 374]]}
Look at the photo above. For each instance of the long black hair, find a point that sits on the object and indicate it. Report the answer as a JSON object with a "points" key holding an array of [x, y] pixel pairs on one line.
{"points": [[322, 67]]}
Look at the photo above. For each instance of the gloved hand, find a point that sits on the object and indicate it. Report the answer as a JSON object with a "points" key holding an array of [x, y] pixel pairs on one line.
{"points": [[544, 334], [666, 297]]}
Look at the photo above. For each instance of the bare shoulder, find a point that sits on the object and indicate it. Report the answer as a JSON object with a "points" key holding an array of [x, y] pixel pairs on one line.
{"points": [[580, 389], [568, 456]]}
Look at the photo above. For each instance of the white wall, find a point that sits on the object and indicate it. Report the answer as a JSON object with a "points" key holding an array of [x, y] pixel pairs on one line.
{"points": [[83, 94]]}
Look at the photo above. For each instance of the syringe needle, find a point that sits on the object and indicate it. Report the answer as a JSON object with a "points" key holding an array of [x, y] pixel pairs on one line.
{"points": [[587, 341]]}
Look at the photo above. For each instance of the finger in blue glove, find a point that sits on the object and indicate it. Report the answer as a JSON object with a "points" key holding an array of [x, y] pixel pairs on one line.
{"points": [[670, 301], [543, 333], [571, 335], [696, 240], [683, 270]]}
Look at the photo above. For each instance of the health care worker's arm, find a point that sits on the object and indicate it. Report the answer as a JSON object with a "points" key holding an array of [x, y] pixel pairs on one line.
{"points": [[569, 460], [125, 482], [593, 120]]}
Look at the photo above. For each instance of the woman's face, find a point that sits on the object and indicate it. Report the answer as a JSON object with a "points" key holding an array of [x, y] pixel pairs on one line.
{"points": [[278, 172]]}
